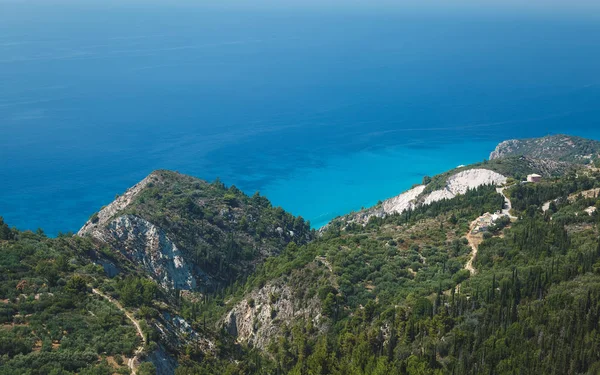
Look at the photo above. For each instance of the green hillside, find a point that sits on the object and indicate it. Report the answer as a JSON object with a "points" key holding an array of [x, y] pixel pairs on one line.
{"points": [[51, 323], [451, 287], [531, 307]]}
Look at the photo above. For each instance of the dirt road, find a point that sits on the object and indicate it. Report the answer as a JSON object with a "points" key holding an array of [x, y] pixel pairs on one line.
{"points": [[474, 241], [132, 363]]}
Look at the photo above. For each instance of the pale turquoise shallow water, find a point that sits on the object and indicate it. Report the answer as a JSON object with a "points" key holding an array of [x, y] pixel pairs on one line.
{"points": [[322, 112], [366, 177]]}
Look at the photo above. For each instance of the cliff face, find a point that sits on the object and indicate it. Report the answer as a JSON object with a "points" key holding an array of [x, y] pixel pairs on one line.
{"points": [[264, 312], [100, 219], [188, 233], [455, 184], [465, 180], [142, 242], [403, 201], [146, 244], [557, 148]]}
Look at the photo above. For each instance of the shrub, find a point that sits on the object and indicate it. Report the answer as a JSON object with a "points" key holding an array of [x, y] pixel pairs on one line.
{"points": [[147, 368], [94, 218], [230, 199]]}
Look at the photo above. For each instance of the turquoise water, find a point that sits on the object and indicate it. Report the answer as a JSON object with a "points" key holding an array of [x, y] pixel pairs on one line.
{"points": [[361, 179], [322, 112]]}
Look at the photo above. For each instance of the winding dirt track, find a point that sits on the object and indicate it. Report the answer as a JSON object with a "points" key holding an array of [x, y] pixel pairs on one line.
{"points": [[476, 239], [132, 363], [474, 242], [507, 204]]}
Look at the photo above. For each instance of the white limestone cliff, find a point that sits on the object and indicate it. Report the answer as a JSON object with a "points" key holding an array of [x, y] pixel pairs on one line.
{"points": [[456, 184], [144, 243], [404, 201]]}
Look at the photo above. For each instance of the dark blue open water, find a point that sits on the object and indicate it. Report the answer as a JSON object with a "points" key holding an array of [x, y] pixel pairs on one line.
{"points": [[322, 112]]}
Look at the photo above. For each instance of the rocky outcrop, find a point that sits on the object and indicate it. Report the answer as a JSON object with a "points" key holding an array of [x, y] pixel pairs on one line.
{"points": [[404, 201], [456, 184], [164, 362], [144, 243], [184, 230], [465, 180], [264, 312], [101, 218], [176, 332], [505, 148], [548, 167], [437, 196], [561, 148]]}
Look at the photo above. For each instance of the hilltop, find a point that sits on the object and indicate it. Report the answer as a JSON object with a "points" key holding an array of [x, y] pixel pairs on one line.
{"points": [[191, 234], [558, 148]]}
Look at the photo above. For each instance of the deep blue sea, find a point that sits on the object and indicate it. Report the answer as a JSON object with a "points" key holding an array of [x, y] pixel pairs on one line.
{"points": [[323, 112]]}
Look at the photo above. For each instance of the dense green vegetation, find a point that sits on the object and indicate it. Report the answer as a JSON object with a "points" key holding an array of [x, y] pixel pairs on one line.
{"points": [[390, 258], [5, 232], [532, 307], [526, 195], [563, 148], [392, 296], [51, 324], [222, 230]]}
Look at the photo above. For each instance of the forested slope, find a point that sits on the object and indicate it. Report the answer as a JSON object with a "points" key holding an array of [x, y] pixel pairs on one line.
{"points": [[50, 322], [401, 304], [390, 295], [191, 234]]}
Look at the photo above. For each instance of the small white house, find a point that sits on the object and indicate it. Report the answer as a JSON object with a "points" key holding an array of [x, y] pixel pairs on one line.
{"points": [[534, 178]]}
